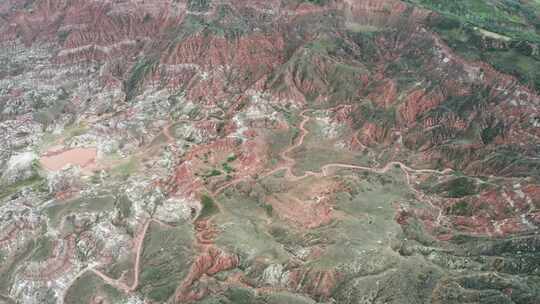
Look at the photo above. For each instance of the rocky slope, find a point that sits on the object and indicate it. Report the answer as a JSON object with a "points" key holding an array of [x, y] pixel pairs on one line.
{"points": [[277, 151]]}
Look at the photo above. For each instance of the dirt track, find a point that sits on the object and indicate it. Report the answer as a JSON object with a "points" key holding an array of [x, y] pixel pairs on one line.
{"points": [[290, 162], [288, 165]]}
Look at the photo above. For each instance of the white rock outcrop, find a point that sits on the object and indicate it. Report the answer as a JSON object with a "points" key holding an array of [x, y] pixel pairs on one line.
{"points": [[18, 168]]}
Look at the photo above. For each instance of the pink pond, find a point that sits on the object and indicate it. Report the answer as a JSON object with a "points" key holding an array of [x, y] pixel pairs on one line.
{"points": [[83, 157]]}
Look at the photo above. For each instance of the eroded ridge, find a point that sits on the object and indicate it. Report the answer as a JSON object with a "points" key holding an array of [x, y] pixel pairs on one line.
{"points": [[279, 151]]}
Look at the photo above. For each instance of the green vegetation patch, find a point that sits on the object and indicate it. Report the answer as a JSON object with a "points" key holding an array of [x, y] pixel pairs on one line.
{"points": [[511, 61], [489, 133], [321, 64], [73, 130], [126, 169], [461, 208], [46, 113], [278, 141], [137, 75], [88, 286], [457, 187], [213, 172], [246, 296], [318, 150], [98, 203], [318, 2], [247, 233], [209, 207], [121, 265], [369, 209], [231, 158], [34, 181], [63, 35], [508, 17], [165, 260], [385, 118], [501, 33], [43, 249], [123, 204], [285, 297], [199, 5], [227, 168], [240, 295], [505, 160]]}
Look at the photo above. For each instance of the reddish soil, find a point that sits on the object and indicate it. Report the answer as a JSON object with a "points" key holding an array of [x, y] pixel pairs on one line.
{"points": [[83, 157]]}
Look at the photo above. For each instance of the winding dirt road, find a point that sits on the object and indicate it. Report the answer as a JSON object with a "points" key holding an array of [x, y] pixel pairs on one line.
{"points": [[136, 268], [290, 162], [287, 165]]}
